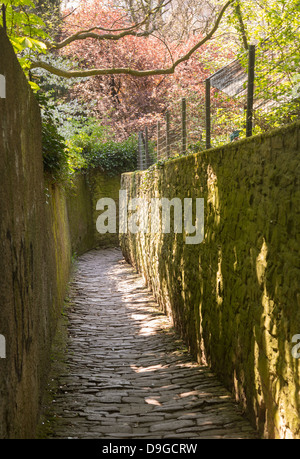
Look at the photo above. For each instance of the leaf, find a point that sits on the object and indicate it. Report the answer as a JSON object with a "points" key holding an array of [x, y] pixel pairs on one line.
{"points": [[34, 86]]}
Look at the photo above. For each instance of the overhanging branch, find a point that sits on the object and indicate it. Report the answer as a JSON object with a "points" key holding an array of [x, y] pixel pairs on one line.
{"points": [[129, 71], [111, 33], [105, 36], [95, 72]]}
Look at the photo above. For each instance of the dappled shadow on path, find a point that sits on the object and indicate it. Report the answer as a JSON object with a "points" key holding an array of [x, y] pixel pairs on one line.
{"points": [[126, 373]]}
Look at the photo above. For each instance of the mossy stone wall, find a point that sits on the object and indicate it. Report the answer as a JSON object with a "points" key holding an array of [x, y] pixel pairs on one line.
{"points": [[104, 186], [34, 254], [234, 297], [81, 202], [41, 226]]}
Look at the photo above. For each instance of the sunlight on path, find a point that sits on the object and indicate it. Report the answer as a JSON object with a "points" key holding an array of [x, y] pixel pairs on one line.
{"points": [[126, 373]]}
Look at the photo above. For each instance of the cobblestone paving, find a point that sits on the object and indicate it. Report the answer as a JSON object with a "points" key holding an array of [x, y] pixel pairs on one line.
{"points": [[127, 373]]}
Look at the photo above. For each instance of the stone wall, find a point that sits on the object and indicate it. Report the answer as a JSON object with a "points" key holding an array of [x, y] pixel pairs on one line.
{"points": [[234, 297], [104, 186], [41, 226], [29, 296], [82, 210]]}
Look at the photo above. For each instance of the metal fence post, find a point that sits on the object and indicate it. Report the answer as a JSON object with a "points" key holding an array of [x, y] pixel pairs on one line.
{"points": [[147, 157], [250, 91], [168, 133], [158, 141], [183, 121], [207, 113], [140, 161]]}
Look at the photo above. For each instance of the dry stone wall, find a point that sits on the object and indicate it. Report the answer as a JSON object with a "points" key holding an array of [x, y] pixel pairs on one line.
{"points": [[41, 226], [235, 296]]}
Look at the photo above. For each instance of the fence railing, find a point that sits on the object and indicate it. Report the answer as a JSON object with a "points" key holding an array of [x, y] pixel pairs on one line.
{"points": [[144, 159], [246, 97], [172, 134], [260, 90]]}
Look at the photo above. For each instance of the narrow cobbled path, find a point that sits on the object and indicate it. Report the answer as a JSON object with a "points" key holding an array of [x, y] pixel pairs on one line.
{"points": [[127, 375]]}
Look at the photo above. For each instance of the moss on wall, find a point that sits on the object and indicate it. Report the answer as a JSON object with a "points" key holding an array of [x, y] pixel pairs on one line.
{"points": [[41, 226], [103, 186], [29, 297], [80, 216], [234, 297]]}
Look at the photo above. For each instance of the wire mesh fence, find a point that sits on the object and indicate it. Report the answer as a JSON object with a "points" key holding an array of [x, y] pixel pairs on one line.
{"points": [[182, 129], [260, 91], [277, 88], [145, 157], [179, 132], [257, 92]]}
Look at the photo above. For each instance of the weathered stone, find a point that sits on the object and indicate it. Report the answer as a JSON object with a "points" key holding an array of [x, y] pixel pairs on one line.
{"points": [[234, 295], [150, 407], [171, 425]]}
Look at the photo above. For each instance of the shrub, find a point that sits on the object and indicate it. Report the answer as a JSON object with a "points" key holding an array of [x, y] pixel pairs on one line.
{"points": [[99, 149], [89, 145], [59, 162]]}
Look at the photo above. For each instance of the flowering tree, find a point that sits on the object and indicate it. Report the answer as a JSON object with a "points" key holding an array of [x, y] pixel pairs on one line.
{"points": [[115, 43], [121, 100], [122, 28]]}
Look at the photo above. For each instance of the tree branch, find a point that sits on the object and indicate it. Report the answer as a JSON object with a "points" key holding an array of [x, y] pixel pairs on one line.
{"points": [[242, 27], [129, 71], [107, 36], [131, 30]]}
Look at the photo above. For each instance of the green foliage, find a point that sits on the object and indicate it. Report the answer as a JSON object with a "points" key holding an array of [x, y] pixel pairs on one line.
{"points": [[87, 145], [53, 144], [54, 148], [197, 146], [49, 11], [25, 30], [70, 112], [97, 146], [59, 162], [275, 28], [273, 25]]}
